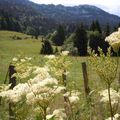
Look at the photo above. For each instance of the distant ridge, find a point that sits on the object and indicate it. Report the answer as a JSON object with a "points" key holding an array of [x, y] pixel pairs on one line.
{"points": [[74, 14], [47, 17]]}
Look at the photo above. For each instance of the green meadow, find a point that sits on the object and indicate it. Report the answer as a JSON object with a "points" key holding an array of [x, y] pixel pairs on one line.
{"points": [[13, 44]]}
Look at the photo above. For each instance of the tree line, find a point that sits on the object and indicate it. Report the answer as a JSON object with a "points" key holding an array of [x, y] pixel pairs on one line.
{"points": [[72, 37], [77, 42], [12, 23]]}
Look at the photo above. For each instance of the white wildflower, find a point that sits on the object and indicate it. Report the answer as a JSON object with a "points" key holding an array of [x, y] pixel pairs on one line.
{"points": [[41, 70], [114, 40], [22, 88], [65, 53], [30, 98], [116, 117], [22, 60], [46, 81], [114, 96], [75, 93], [4, 87], [59, 114], [66, 94], [59, 89], [74, 99], [50, 56], [50, 116], [73, 96], [15, 59], [15, 95], [28, 58]]}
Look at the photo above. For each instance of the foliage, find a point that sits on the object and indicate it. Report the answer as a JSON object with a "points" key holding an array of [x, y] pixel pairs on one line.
{"points": [[106, 67], [96, 40], [38, 92], [107, 30], [104, 63], [7, 23], [95, 26], [81, 40], [69, 45], [58, 37], [46, 48], [76, 107]]}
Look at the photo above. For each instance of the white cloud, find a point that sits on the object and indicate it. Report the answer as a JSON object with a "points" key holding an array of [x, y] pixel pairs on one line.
{"points": [[111, 6]]}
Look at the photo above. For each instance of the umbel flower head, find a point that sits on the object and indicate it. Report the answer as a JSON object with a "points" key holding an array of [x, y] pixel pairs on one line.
{"points": [[114, 40], [116, 117], [58, 114], [115, 96]]}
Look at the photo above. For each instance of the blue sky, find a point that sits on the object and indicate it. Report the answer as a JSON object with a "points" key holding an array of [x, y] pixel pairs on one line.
{"points": [[111, 6]]}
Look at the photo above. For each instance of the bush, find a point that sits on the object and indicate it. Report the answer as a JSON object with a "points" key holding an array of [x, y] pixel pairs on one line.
{"points": [[46, 48]]}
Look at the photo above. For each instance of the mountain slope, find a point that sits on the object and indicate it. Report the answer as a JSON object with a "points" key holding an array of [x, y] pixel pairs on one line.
{"points": [[79, 13], [27, 13], [47, 17]]}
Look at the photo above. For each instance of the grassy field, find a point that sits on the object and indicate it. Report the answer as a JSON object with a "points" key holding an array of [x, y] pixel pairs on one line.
{"points": [[13, 44], [10, 47]]}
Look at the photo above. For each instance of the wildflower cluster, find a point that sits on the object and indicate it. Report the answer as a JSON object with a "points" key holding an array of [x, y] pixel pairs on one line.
{"points": [[115, 96], [4, 87], [114, 40], [107, 68], [40, 88], [58, 114], [58, 64], [116, 117], [73, 96], [23, 67], [104, 65]]}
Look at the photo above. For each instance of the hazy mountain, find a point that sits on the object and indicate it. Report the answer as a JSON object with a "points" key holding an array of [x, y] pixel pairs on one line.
{"points": [[85, 13], [27, 14], [47, 17]]}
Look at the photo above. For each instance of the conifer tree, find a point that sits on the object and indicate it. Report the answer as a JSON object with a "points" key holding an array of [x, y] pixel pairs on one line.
{"points": [[81, 40], [107, 30], [46, 48], [60, 36], [97, 25], [93, 26]]}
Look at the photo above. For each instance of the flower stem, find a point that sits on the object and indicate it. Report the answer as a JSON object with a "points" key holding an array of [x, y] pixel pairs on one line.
{"points": [[110, 104], [44, 114]]}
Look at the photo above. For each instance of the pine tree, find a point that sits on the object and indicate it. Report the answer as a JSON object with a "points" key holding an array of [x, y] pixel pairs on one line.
{"points": [[93, 26], [60, 36], [95, 41], [81, 40], [97, 24], [107, 30], [46, 48], [36, 33]]}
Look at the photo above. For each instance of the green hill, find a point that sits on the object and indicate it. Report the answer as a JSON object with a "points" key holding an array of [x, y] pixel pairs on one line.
{"points": [[14, 43], [10, 47]]}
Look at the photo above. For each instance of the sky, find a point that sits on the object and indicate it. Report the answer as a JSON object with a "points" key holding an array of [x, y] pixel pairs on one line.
{"points": [[111, 6]]}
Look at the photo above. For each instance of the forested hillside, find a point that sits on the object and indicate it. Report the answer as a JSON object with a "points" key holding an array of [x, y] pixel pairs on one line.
{"points": [[31, 18]]}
